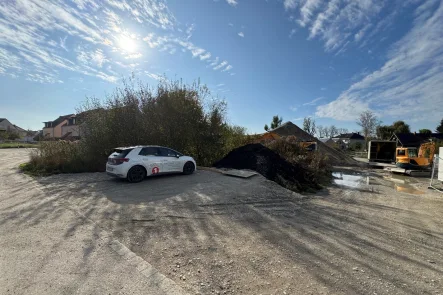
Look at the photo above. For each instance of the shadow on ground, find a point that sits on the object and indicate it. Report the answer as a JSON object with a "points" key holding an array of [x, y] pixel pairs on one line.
{"points": [[212, 233]]}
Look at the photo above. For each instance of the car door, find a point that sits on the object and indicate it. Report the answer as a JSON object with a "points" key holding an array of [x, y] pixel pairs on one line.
{"points": [[171, 160], [152, 160]]}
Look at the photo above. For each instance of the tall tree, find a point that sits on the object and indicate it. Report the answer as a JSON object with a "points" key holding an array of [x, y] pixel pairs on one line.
{"points": [[320, 131], [342, 130], [401, 127], [333, 131], [384, 132], [425, 131], [368, 122], [309, 126], [266, 127], [439, 128], [276, 121], [326, 132]]}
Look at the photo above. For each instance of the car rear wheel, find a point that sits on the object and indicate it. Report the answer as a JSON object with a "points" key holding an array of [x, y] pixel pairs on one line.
{"points": [[188, 168], [136, 174]]}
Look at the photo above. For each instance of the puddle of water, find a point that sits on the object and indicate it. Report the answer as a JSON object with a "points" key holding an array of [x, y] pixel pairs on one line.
{"points": [[350, 180], [401, 184], [404, 188]]}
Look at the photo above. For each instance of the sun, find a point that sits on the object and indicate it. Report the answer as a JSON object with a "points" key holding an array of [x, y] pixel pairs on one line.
{"points": [[127, 44]]}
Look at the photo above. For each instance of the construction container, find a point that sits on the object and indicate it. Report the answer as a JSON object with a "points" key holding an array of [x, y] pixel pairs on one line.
{"points": [[381, 151]]}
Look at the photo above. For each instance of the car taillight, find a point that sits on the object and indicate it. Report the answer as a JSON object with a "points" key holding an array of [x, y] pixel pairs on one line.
{"points": [[117, 161]]}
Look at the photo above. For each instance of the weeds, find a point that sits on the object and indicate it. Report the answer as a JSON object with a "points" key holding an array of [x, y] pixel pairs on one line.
{"points": [[317, 166], [180, 116]]}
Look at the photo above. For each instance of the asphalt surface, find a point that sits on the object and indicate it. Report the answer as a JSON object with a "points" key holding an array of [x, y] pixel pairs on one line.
{"points": [[208, 233]]}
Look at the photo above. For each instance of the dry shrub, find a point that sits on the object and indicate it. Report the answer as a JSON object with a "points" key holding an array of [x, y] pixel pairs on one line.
{"points": [[316, 164], [173, 114], [56, 157]]}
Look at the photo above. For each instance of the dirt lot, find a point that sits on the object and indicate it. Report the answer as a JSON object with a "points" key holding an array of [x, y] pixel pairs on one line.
{"points": [[214, 234]]}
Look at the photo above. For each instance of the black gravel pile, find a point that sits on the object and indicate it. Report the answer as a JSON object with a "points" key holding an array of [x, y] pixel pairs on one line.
{"points": [[259, 158]]}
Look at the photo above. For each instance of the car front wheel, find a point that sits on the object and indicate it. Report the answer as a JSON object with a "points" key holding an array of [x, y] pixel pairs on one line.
{"points": [[188, 168], [136, 174]]}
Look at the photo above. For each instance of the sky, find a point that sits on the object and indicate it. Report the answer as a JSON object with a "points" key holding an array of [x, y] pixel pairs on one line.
{"points": [[330, 60]]}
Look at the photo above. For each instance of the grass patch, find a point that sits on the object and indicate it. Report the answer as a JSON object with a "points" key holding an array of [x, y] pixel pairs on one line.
{"points": [[32, 170], [14, 145]]}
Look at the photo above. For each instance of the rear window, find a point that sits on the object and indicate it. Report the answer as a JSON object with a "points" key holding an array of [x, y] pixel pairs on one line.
{"points": [[121, 153]]}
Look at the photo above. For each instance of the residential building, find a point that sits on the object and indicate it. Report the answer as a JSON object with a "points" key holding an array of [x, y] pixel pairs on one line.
{"points": [[53, 129], [333, 142], [351, 140], [71, 129], [414, 139], [6, 126]]}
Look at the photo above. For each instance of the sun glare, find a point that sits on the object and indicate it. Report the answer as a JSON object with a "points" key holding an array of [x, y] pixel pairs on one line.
{"points": [[127, 44]]}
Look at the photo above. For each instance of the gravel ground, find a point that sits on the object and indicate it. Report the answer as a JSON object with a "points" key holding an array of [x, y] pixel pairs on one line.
{"points": [[215, 234]]}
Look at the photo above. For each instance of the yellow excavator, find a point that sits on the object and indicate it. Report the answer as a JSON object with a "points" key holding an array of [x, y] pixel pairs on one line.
{"points": [[408, 158]]}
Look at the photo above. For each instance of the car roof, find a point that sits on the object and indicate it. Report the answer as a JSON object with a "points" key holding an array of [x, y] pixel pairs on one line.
{"points": [[139, 146]]}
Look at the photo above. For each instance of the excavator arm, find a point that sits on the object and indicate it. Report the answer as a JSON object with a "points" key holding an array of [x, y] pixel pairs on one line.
{"points": [[427, 150]]}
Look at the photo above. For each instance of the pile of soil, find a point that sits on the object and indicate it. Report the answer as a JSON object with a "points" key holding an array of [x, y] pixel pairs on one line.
{"points": [[336, 157], [259, 158]]}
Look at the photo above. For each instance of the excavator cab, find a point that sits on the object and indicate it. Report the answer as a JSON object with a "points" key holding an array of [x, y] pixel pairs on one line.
{"points": [[411, 159]]}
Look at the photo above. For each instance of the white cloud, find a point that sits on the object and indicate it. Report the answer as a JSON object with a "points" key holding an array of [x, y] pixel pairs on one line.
{"points": [[166, 43], [241, 34], [189, 31], [314, 101], [205, 56], [292, 33], [297, 119], [221, 65], [214, 62], [197, 51], [154, 76], [232, 2], [336, 22], [290, 4], [408, 85], [231, 24], [39, 33], [63, 43], [132, 56], [42, 78], [229, 67], [293, 108], [52, 43], [91, 57], [308, 10]]}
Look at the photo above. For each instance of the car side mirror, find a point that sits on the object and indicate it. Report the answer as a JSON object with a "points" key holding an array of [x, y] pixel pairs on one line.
{"points": [[177, 156]]}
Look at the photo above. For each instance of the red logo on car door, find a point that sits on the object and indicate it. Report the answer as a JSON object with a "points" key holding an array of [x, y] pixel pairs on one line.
{"points": [[155, 170]]}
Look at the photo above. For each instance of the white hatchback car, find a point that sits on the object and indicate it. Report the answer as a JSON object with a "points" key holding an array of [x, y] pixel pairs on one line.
{"points": [[135, 163]]}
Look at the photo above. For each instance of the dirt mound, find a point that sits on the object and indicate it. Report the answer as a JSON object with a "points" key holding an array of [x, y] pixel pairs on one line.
{"points": [[336, 157], [259, 158]]}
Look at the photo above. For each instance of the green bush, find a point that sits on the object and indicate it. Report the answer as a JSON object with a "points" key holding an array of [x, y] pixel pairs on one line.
{"points": [[180, 116]]}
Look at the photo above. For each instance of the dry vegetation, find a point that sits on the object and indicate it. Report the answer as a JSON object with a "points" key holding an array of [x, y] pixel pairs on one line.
{"points": [[184, 117], [316, 165]]}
